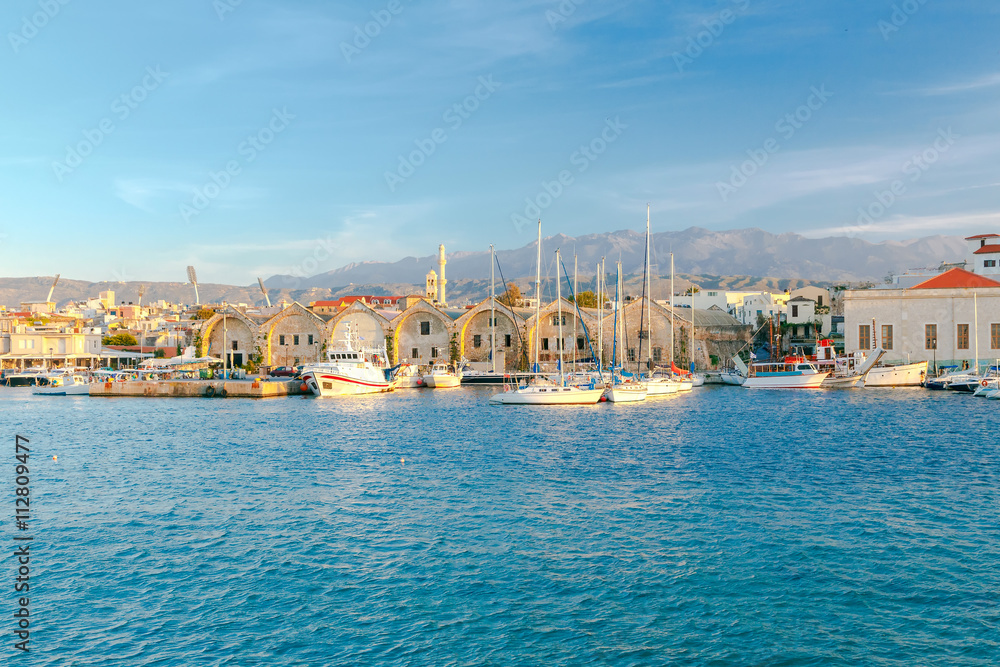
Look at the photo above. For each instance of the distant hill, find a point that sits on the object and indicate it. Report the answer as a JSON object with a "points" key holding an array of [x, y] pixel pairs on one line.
{"points": [[746, 259], [745, 252]]}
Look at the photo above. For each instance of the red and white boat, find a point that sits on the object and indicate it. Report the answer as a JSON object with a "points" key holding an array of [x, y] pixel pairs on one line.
{"points": [[349, 370]]}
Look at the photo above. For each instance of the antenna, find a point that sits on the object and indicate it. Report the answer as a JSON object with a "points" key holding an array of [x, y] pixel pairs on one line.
{"points": [[264, 290], [193, 279], [52, 289]]}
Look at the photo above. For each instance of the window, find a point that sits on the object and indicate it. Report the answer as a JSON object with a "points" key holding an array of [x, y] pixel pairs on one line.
{"points": [[555, 320], [477, 341], [281, 339], [713, 294], [864, 336], [989, 263], [962, 337], [295, 339], [311, 339], [995, 336], [236, 345], [631, 354], [795, 311], [425, 328], [580, 342], [434, 353], [415, 353], [545, 343], [506, 340], [819, 300], [930, 336], [886, 336], [657, 354]]}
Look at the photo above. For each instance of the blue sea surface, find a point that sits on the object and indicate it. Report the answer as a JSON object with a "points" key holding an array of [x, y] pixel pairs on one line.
{"points": [[425, 527]]}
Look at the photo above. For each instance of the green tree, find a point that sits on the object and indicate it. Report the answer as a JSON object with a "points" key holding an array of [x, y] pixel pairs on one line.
{"points": [[204, 314], [512, 297], [120, 339], [586, 299]]}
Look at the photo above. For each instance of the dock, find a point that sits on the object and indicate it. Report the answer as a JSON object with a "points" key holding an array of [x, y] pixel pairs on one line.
{"points": [[199, 388]]}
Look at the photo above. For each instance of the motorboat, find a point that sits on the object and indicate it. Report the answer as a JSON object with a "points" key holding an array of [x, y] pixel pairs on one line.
{"points": [[950, 375], [975, 382], [442, 377], [349, 370], [790, 373], [64, 385], [25, 378]]}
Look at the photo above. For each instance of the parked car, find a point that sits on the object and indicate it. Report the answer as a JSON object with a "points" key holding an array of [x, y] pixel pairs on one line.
{"points": [[283, 372]]}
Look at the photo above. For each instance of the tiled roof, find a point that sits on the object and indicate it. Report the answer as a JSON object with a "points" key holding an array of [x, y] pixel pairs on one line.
{"points": [[981, 236], [987, 250], [956, 279]]}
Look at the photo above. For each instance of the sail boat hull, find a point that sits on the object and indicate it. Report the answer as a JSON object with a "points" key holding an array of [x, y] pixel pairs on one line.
{"points": [[548, 396], [624, 393]]}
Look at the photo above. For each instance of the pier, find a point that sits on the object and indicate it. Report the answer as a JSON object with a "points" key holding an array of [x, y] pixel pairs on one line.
{"points": [[199, 388]]}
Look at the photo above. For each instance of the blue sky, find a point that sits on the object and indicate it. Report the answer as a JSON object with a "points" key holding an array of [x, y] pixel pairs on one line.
{"points": [[256, 137]]}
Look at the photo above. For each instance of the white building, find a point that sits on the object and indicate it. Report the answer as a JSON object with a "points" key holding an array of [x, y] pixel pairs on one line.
{"points": [[952, 318], [984, 252], [26, 347]]}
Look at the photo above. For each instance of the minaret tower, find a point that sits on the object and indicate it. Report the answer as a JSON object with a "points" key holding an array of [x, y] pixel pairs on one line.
{"points": [[441, 280]]}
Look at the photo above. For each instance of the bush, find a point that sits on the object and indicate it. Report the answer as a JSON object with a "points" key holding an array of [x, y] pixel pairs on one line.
{"points": [[120, 339]]}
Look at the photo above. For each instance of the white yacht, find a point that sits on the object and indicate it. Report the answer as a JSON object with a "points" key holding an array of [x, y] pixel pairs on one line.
{"points": [[350, 369], [792, 373]]}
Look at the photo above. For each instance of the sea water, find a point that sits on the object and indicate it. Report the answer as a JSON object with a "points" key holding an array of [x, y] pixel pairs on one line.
{"points": [[426, 527]]}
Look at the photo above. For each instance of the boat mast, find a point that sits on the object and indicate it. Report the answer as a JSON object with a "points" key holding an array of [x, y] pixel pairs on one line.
{"points": [[648, 304], [561, 344], [671, 312], [538, 294], [493, 314], [576, 296], [600, 321], [691, 355]]}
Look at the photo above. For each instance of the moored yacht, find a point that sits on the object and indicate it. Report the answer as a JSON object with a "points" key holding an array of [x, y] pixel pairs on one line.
{"points": [[792, 373]]}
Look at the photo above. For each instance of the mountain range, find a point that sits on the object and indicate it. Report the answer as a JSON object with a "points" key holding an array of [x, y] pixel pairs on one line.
{"points": [[746, 259]]}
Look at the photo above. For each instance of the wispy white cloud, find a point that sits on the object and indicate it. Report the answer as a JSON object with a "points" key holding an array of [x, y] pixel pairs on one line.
{"points": [[902, 225], [978, 83]]}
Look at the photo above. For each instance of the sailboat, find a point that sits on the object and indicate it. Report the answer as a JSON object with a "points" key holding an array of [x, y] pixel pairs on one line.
{"points": [[622, 390], [656, 385], [546, 393]]}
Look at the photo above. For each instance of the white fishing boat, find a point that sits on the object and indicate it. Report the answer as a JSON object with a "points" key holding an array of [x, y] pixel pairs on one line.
{"points": [[441, 376], [791, 373], [64, 385], [350, 369], [543, 392]]}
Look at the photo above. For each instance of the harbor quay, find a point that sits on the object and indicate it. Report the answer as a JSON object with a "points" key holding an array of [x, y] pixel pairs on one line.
{"points": [[198, 389]]}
